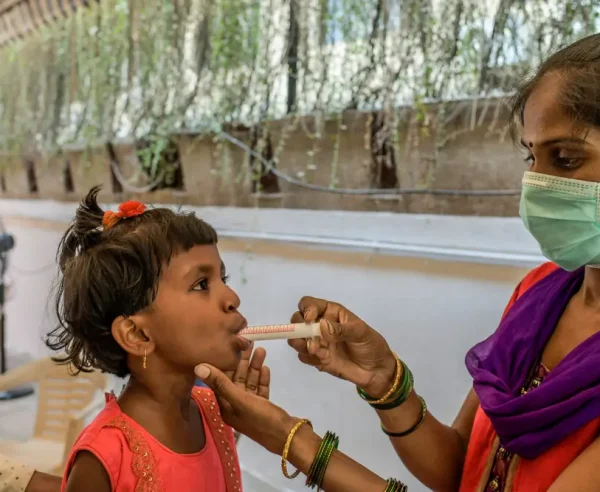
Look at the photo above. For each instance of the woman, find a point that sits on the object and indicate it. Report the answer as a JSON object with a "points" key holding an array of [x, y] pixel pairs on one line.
{"points": [[532, 419]]}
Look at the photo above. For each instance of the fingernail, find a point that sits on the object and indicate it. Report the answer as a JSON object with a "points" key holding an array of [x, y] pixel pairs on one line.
{"points": [[202, 371], [307, 314]]}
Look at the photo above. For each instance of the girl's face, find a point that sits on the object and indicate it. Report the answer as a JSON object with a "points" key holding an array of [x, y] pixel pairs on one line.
{"points": [[553, 144], [195, 316]]}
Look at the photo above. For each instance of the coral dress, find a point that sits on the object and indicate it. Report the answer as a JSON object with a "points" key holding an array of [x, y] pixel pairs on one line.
{"points": [[136, 462]]}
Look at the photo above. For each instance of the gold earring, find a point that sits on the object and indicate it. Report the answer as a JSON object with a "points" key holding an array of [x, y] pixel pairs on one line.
{"points": [[144, 360]]}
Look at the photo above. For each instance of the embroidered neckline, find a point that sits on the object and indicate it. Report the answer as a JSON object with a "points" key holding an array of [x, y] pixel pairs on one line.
{"points": [[223, 438]]}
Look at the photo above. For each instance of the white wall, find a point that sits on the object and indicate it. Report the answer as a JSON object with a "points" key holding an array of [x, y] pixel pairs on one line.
{"points": [[430, 311]]}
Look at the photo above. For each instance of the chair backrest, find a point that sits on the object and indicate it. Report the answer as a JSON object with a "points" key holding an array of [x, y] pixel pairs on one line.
{"points": [[60, 395]]}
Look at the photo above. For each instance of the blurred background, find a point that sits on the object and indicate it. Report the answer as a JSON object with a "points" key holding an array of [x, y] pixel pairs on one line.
{"points": [[356, 150]]}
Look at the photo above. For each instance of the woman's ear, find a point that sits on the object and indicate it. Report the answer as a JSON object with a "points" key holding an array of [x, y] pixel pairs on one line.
{"points": [[131, 336]]}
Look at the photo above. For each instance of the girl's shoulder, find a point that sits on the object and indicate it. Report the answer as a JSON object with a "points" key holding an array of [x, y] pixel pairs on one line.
{"points": [[104, 439]]}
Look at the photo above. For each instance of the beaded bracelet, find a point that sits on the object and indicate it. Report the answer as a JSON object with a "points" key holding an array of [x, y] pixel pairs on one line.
{"points": [[316, 475], [394, 485], [286, 448], [414, 427]]}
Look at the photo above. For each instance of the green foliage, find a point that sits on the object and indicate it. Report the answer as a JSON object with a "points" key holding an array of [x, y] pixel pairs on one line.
{"points": [[145, 69]]}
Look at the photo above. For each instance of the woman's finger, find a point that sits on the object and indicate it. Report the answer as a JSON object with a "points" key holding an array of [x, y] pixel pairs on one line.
{"points": [[226, 392], [299, 345], [312, 308], [264, 384], [241, 372], [256, 364], [314, 345], [297, 317], [310, 360]]}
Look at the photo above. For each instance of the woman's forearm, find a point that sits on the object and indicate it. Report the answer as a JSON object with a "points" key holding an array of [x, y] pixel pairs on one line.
{"points": [[42, 482], [343, 473], [435, 452]]}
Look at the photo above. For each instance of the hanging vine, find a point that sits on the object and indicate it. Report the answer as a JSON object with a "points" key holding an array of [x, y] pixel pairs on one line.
{"points": [[146, 69]]}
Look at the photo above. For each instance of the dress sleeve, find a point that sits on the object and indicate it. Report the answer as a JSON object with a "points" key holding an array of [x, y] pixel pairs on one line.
{"points": [[107, 446], [528, 281]]}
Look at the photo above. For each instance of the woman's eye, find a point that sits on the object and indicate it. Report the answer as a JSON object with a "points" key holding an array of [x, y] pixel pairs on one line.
{"points": [[202, 285], [529, 160], [564, 160], [225, 279]]}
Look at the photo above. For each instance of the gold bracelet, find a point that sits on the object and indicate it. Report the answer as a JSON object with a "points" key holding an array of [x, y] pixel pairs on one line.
{"points": [[286, 448], [394, 388]]}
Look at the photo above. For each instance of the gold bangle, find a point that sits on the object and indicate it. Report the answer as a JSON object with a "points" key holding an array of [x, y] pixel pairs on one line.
{"points": [[394, 387], [286, 448]]}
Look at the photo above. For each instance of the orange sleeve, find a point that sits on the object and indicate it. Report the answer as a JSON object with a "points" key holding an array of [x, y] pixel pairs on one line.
{"points": [[533, 277], [107, 445]]}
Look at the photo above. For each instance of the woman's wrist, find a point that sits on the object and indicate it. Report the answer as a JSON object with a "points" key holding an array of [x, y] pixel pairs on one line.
{"points": [[383, 378], [304, 448], [284, 429]]}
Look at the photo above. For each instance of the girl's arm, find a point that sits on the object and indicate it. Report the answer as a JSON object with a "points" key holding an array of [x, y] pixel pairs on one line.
{"points": [[88, 470]]}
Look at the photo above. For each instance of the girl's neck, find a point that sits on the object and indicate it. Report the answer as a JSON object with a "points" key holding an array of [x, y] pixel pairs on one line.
{"points": [[161, 402], [168, 393]]}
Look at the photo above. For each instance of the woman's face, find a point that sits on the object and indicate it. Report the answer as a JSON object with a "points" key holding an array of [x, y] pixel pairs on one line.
{"points": [[552, 142]]}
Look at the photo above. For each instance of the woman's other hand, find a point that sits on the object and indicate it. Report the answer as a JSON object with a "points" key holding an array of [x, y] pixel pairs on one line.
{"points": [[348, 347], [251, 373], [246, 411]]}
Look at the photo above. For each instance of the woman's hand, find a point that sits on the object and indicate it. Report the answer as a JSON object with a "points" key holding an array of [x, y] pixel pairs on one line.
{"points": [[348, 347], [251, 373], [246, 411]]}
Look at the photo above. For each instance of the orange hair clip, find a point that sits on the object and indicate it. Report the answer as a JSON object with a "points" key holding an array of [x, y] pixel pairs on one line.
{"points": [[131, 208]]}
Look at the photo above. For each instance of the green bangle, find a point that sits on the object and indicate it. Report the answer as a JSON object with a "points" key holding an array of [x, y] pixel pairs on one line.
{"points": [[325, 463], [398, 397], [319, 466], [401, 397], [394, 485], [369, 399], [414, 427]]}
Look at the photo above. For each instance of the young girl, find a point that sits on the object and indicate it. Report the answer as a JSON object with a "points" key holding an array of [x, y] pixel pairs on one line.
{"points": [[143, 293]]}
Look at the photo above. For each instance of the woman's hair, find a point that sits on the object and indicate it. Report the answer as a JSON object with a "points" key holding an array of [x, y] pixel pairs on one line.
{"points": [[579, 64], [111, 273]]}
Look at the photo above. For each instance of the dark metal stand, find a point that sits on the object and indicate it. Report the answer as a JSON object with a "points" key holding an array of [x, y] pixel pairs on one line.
{"points": [[15, 392]]}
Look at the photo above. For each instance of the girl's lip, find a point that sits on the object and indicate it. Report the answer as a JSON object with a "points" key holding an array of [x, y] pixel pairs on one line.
{"points": [[242, 325], [243, 343]]}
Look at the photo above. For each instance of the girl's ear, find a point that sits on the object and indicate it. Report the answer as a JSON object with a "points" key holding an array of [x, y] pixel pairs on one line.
{"points": [[131, 336]]}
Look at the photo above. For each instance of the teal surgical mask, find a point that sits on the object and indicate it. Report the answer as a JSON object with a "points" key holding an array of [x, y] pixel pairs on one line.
{"points": [[563, 216]]}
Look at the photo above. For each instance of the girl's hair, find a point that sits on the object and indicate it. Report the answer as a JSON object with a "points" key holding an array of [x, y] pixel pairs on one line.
{"points": [[579, 64], [111, 273]]}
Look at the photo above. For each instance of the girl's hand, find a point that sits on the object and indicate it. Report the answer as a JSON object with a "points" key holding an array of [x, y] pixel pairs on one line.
{"points": [[348, 347], [246, 411], [251, 374]]}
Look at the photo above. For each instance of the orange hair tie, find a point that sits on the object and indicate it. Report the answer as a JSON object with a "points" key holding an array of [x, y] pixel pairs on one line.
{"points": [[131, 208]]}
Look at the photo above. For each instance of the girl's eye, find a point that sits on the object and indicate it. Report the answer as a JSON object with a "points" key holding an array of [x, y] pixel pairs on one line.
{"points": [[202, 285], [225, 279], [529, 160]]}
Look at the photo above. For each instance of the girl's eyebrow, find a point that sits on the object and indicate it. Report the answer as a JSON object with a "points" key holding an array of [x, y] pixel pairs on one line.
{"points": [[203, 268]]}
